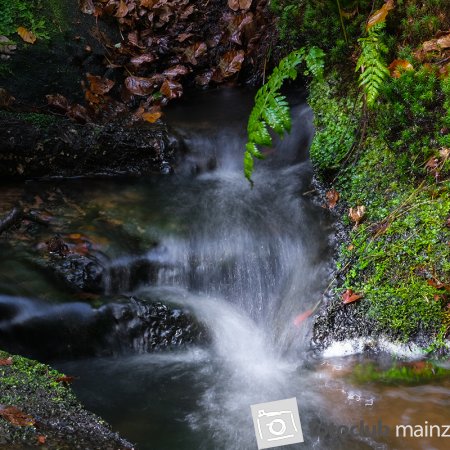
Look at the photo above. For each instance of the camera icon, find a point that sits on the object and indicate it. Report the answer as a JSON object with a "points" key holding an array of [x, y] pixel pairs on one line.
{"points": [[277, 423]]}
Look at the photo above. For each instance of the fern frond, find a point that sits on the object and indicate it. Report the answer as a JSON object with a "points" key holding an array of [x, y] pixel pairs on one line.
{"points": [[371, 63], [271, 109]]}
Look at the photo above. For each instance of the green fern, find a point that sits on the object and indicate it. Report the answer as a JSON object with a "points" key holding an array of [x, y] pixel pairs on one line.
{"points": [[371, 63], [271, 109]]}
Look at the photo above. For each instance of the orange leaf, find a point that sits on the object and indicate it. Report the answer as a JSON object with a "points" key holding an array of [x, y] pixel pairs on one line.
{"points": [[349, 296], [171, 89], [151, 117], [16, 416], [302, 317], [122, 9], [379, 16], [99, 85], [65, 379], [357, 214], [398, 66], [231, 62], [27, 36], [332, 197], [41, 439], [6, 362]]}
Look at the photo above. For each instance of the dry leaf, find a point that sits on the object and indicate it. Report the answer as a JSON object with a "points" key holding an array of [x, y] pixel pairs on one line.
{"points": [[175, 71], [398, 66], [6, 99], [231, 62], [6, 362], [65, 379], [380, 15], [16, 416], [139, 85], [171, 89], [194, 51], [235, 5], [27, 36], [151, 117], [41, 439], [349, 296], [357, 214], [87, 6], [332, 197], [146, 58], [58, 101], [99, 85], [122, 9]]}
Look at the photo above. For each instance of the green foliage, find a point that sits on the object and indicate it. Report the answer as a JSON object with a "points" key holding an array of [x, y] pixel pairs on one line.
{"points": [[371, 63], [335, 121], [34, 15], [271, 108], [409, 374]]}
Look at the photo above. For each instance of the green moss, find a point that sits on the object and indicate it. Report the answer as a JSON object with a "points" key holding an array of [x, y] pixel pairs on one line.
{"points": [[409, 374], [39, 120]]}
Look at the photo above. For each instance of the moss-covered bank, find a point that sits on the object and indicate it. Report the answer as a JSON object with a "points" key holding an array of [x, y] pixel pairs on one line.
{"points": [[51, 413], [389, 155]]}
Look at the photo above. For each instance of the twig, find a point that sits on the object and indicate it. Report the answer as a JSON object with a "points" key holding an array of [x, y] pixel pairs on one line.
{"points": [[14, 216]]}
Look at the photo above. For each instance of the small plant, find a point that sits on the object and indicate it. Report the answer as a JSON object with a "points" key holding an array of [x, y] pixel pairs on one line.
{"points": [[271, 107]]}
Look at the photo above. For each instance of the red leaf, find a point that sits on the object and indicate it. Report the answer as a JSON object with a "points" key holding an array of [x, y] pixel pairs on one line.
{"points": [[349, 296], [302, 317], [16, 416], [6, 362]]}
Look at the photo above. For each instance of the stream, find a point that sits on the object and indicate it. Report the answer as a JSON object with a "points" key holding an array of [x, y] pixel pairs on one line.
{"points": [[241, 263]]}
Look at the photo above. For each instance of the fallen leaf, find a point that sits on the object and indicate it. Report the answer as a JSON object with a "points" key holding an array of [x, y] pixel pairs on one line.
{"points": [[87, 6], [349, 297], [357, 214], [16, 416], [26, 35], [332, 197], [151, 117], [398, 66], [171, 89], [235, 5], [139, 86], [302, 317], [58, 101], [146, 58], [149, 3], [194, 51], [79, 113], [65, 379], [380, 15], [99, 85], [438, 284], [445, 153], [231, 62], [176, 71], [122, 9], [183, 36], [6, 99], [41, 439], [6, 362]]}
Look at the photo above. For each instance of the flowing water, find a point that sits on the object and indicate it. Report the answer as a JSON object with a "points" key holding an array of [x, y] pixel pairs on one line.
{"points": [[244, 262]]}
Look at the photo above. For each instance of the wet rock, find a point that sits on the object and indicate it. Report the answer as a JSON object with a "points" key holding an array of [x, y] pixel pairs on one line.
{"points": [[47, 331]]}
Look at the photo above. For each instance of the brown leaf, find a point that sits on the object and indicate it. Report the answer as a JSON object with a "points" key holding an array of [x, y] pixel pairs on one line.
{"points": [[231, 62], [16, 416], [444, 152], [146, 58], [183, 36], [171, 89], [41, 439], [6, 362], [26, 35], [79, 113], [176, 71], [438, 284], [235, 5], [302, 317], [139, 85], [65, 379], [398, 66], [444, 41], [58, 101], [194, 51], [122, 9], [357, 214], [432, 164], [149, 4], [87, 6], [332, 197], [151, 117], [205, 78], [99, 85], [6, 99], [379, 16], [349, 296]]}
